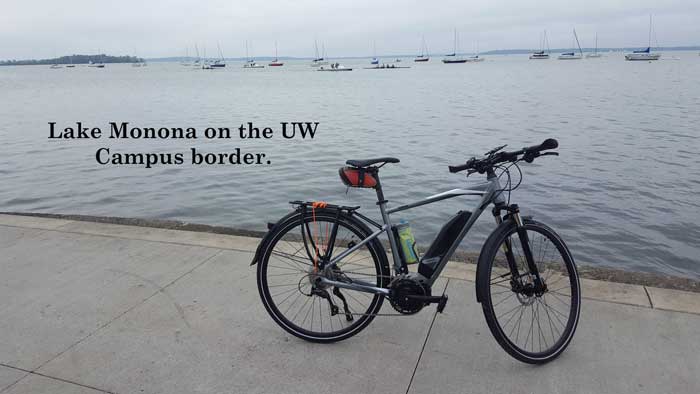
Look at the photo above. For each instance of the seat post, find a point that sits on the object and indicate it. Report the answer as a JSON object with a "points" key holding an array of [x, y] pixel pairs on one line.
{"points": [[393, 242], [380, 193]]}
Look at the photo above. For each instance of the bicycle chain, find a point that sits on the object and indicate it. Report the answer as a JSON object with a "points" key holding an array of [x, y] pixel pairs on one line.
{"points": [[379, 314]]}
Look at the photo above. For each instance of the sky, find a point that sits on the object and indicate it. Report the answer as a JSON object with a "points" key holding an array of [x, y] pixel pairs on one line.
{"points": [[150, 28]]}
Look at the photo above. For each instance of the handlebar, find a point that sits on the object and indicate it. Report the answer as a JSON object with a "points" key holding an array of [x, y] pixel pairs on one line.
{"points": [[496, 156]]}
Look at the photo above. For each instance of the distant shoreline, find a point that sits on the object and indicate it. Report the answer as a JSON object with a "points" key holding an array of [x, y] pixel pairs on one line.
{"points": [[74, 59]]}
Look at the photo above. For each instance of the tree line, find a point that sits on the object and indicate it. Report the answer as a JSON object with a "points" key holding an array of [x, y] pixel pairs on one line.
{"points": [[74, 59]]}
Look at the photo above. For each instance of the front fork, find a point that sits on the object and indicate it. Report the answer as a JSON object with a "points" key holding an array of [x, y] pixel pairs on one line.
{"points": [[539, 286]]}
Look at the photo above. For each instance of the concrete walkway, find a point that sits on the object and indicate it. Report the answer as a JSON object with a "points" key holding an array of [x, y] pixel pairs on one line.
{"points": [[90, 307]]}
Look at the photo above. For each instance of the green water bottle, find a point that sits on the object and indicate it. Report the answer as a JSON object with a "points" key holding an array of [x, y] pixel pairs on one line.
{"points": [[407, 242]]}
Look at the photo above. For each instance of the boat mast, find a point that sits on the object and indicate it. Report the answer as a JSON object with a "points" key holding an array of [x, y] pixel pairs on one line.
{"points": [[455, 44], [649, 46], [596, 43], [547, 42], [577, 43]]}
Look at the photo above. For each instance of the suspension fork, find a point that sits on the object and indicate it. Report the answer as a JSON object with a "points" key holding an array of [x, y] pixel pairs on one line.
{"points": [[525, 243], [507, 245], [514, 212]]}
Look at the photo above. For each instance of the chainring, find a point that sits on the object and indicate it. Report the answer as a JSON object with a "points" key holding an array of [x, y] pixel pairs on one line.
{"points": [[400, 290]]}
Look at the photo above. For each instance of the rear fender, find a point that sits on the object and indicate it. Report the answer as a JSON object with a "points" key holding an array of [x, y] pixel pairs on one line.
{"points": [[271, 227]]}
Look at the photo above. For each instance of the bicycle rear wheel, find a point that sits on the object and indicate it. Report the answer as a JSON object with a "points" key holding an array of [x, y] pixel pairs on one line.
{"points": [[289, 270], [533, 324]]}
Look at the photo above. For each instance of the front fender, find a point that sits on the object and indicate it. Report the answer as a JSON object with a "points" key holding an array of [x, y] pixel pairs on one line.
{"points": [[486, 256]]}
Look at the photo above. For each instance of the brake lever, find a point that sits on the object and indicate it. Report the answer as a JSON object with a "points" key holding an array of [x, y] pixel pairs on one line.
{"points": [[494, 150]]}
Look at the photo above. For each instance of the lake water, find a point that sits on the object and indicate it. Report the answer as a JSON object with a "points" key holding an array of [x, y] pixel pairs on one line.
{"points": [[623, 193]]}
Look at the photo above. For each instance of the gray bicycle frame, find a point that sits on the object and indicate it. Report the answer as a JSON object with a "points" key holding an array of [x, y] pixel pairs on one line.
{"points": [[490, 192]]}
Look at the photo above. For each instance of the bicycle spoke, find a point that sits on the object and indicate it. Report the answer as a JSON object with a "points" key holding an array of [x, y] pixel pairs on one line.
{"points": [[291, 276], [524, 315]]}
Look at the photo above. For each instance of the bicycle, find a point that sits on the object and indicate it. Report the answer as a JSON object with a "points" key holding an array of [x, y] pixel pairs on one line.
{"points": [[321, 256]]}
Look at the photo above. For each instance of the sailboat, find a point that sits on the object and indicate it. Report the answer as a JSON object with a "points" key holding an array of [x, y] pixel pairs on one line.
{"points": [[276, 62], [541, 54], [138, 62], [206, 65], [71, 65], [55, 65], [319, 60], [197, 63], [644, 54], [374, 61], [572, 55], [452, 58], [475, 58], [250, 62], [423, 56], [186, 61], [595, 53], [96, 65], [218, 63]]}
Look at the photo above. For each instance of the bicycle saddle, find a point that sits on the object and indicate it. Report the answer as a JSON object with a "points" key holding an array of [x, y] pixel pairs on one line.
{"points": [[369, 162]]}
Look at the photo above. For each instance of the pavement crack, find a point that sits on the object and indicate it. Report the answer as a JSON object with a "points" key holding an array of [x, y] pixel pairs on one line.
{"points": [[651, 303], [162, 290], [124, 313]]}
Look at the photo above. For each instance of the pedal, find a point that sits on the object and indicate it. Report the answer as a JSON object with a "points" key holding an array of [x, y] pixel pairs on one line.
{"points": [[442, 303]]}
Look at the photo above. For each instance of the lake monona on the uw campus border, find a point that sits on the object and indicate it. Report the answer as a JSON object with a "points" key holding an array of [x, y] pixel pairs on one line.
{"points": [[623, 192]]}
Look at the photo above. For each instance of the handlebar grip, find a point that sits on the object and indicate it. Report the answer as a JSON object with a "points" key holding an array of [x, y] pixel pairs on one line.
{"points": [[549, 143], [458, 168]]}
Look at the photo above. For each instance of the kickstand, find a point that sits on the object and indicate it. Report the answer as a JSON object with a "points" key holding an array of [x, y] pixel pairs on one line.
{"points": [[348, 314]]}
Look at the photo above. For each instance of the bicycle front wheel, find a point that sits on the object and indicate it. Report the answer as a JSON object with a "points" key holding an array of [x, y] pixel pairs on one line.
{"points": [[533, 322]]}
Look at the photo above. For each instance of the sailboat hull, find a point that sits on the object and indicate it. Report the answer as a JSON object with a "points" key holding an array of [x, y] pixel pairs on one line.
{"points": [[569, 57], [454, 61], [421, 59], [642, 56]]}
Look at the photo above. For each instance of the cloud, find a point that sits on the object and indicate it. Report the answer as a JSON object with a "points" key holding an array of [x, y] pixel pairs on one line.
{"points": [[39, 29]]}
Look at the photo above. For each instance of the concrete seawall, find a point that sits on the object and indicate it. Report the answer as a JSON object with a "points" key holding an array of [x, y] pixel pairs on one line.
{"points": [[94, 306]]}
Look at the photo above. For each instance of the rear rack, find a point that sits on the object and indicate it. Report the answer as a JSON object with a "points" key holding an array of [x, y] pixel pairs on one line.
{"points": [[306, 204]]}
